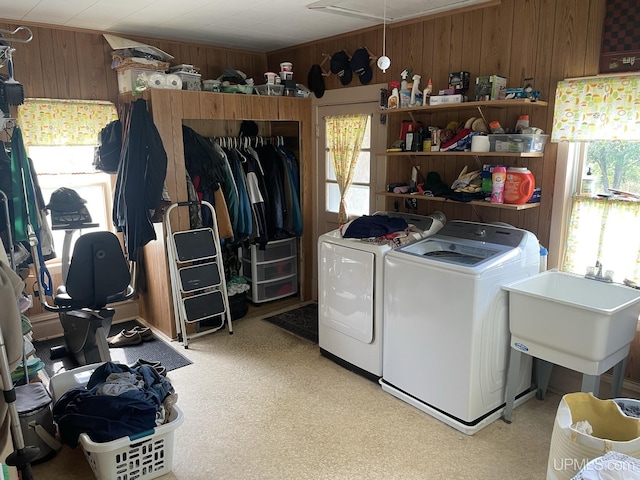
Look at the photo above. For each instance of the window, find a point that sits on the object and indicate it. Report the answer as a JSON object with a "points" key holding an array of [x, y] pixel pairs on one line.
{"points": [[357, 198], [72, 167], [605, 214]]}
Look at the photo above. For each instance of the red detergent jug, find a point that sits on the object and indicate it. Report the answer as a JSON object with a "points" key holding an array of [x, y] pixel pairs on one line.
{"points": [[519, 185]]}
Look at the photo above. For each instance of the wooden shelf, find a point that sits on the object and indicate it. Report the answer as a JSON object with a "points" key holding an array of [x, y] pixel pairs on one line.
{"points": [[480, 203], [463, 154], [518, 102]]}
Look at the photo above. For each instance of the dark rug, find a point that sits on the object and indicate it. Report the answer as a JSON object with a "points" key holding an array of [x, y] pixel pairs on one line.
{"points": [[153, 350], [302, 321]]}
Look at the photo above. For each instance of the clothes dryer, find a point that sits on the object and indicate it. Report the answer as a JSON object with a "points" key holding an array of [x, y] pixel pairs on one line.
{"points": [[446, 332], [350, 295]]}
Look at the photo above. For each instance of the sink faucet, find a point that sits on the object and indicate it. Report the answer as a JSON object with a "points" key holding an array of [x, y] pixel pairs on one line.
{"points": [[596, 273]]}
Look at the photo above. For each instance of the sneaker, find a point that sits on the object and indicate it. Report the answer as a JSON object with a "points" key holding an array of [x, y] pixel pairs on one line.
{"points": [[125, 338]]}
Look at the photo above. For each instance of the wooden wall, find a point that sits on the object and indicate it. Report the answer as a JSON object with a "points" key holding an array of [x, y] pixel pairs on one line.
{"points": [[75, 64], [545, 39]]}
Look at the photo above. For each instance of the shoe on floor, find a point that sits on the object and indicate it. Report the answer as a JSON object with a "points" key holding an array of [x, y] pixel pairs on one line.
{"points": [[125, 338], [142, 361], [145, 332]]}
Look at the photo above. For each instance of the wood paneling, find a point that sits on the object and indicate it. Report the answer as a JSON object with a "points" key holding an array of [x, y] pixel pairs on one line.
{"points": [[545, 39]]}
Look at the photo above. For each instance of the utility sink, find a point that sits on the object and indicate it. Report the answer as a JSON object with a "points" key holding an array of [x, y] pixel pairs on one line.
{"points": [[569, 320]]}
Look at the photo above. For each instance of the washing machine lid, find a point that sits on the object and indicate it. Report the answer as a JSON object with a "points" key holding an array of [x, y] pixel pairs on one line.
{"points": [[476, 246], [456, 252]]}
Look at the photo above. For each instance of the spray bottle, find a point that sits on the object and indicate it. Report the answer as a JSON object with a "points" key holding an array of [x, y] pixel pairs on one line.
{"points": [[426, 95], [405, 94], [415, 90]]}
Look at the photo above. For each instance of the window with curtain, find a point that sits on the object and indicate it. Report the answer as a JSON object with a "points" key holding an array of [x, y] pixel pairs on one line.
{"points": [[60, 137], [348, 161], [602, 116]]}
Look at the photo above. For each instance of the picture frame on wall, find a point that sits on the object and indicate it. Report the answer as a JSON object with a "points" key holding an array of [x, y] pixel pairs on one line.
{"points": [[620, 47]]}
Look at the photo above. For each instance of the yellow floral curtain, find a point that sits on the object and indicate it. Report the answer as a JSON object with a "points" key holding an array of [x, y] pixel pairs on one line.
{"points": [[344, 139], [597, 108], [48, 122], [606, 230]]}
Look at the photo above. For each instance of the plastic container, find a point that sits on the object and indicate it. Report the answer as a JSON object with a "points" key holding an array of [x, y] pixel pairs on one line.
{"points": [[518, 143], [519, 186], [495, 127], [498, 177], [269, 89], [522, 123], [286, 67], [143, 458]]}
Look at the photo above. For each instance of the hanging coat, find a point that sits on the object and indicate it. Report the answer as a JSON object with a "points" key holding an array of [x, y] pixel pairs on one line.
{"points": [[141, 175]]}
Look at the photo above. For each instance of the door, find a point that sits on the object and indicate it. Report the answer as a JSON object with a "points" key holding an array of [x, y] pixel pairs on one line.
{"points": [[361, 198]]}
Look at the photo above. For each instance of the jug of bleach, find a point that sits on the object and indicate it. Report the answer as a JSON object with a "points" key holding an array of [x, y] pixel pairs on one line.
{"points": [[519, 185]]}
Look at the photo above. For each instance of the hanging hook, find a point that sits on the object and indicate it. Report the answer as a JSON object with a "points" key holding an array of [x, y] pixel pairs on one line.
{"points": [[17, 40]]}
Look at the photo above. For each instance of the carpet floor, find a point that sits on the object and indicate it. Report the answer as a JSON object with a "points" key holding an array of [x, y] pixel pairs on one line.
{"points": [[302, 321], [153, 350]]}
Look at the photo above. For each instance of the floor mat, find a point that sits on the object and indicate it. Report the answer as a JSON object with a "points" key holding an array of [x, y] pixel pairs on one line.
{"points": [[302, 321], [153, 350]]}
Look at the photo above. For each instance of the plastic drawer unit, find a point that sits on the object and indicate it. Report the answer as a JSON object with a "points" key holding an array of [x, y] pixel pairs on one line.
{"points": [[272, 272]]}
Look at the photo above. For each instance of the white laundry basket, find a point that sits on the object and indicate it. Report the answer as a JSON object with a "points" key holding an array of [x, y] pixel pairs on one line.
{"points": [[141, 457]]}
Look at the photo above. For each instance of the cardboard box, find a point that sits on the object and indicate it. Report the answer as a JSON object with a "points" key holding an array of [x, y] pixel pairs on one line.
{"points": [[459, 80], [490, 87], [442, 99]]}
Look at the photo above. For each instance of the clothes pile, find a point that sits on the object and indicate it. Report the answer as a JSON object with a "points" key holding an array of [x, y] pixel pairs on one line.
{"points": [[118, 401]]}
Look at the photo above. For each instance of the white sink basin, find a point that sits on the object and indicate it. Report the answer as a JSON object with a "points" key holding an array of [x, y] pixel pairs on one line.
{"points": [[581, 324]]}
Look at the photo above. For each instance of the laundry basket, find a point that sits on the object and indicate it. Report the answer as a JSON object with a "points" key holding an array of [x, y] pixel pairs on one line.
{"points": [[145, 456]]}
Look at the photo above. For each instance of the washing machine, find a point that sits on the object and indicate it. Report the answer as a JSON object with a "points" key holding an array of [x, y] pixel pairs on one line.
{"points": [[350, 295], [446, 330]]}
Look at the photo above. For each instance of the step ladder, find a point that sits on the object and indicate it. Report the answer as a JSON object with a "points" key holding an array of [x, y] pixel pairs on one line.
{"points": [[198, 282]]}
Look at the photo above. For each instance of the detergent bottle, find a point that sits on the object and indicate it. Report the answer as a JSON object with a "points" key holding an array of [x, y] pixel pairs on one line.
{"points": [[394, 98], [518, 186]]}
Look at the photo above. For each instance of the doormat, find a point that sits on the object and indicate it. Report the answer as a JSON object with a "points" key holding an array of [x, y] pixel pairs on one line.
{"points": [[302, 321], [153, 350]]}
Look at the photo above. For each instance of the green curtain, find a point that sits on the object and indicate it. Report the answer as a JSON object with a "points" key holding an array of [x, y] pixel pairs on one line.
{"points": [[607, 230], [49, 122], [344, 139], [597, 108]]}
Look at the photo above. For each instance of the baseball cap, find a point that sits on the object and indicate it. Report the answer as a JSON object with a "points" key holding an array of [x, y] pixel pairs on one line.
{"points": [[361, 66], [340, 66], [315, 80]]}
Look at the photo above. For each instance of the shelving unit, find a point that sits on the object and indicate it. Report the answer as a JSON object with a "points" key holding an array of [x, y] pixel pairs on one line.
{"points": [[459, 107]]}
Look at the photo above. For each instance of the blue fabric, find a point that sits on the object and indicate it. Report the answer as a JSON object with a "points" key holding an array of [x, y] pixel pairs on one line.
{"points": [[374, 226], [105, 418]]}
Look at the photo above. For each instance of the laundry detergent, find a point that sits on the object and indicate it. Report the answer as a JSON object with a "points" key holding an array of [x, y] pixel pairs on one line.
{"points": [[519, 185]]}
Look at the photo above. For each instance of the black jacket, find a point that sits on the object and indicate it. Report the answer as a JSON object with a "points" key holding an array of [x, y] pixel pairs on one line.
{"points": [[141, 175]]}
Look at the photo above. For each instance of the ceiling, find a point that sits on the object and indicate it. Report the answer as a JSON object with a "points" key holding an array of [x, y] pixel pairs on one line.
{"points": [[254, 25]]}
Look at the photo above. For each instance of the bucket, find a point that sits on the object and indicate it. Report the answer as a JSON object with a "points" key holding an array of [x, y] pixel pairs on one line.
{"points": [[519, 185], [286, 66], [270, 78]]}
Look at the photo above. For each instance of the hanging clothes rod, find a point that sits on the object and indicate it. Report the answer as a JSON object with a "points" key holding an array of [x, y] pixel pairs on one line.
{"points": [[244, 141], [13, 32]]}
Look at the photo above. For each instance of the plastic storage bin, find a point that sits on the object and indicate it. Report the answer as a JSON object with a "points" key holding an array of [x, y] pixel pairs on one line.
{"points": [[267, 291], [513, 142], [270, 270], [275, 250], [269, 89]]}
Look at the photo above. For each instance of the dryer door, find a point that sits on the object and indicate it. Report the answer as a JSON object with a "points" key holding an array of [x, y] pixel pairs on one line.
{"points": [[346, 291]]}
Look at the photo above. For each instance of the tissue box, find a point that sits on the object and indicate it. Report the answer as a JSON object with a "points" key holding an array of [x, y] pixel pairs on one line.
{"points": [[491, 87]]}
